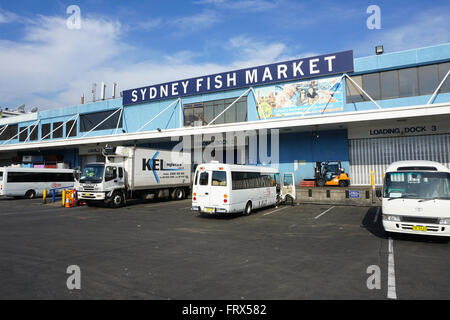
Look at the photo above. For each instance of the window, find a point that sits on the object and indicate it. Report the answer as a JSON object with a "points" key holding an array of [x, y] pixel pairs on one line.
{"points": [[389, 84], [371, 84], [9, 132], [443, 69], [120, 172], [59, 132], [21, 177], [428, 79], [110, 173], [206, 112], [353, 93], [90, 120], [193, 114], [250, 180], [219, 179], [34, 130], [1, 176], [409, 84], [45, 131], [203, 180], [400, 83], [23, 134], [71, 128]]}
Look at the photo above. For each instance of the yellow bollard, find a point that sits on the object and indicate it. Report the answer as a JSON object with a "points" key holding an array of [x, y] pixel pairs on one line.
{"points": [[64, 198], [44, 196], [372, 179]]}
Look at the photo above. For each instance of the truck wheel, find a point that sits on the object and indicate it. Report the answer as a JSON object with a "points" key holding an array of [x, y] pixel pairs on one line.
{"points": [[248, 209], [178, 194], [30, 194], [117, 199]]}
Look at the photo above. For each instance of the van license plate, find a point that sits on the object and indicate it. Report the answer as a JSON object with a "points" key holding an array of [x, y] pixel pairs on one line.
{"points": [[209, 210], [419, 228]]}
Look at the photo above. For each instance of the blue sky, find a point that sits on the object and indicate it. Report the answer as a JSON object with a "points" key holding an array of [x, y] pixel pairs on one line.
{"points": [[137, 43]]}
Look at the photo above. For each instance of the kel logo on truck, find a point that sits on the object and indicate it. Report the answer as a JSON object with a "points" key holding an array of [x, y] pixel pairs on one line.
{"points": [[155, 164]]}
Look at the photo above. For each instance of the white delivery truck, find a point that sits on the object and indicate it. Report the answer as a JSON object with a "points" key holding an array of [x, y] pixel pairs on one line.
{"points": [[132, 172], [416, 198]]}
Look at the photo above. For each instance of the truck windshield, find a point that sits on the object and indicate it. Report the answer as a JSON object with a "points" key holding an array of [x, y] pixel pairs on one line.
{"points": [[417, 185], [92, 173]]}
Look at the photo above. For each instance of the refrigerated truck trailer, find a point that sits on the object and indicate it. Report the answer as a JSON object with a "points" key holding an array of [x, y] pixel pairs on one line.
{"points": [[133, 172]]}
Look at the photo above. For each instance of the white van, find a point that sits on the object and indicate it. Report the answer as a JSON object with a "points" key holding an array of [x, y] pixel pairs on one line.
{"points": [[416, 198], [227, 188], [31, 182]]}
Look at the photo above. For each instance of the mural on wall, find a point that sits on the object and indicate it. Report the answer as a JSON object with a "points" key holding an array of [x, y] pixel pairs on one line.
{"points": [[291, 99]]}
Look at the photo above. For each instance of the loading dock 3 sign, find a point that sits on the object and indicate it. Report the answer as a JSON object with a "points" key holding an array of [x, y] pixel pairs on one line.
{"points": [[396, 130]]}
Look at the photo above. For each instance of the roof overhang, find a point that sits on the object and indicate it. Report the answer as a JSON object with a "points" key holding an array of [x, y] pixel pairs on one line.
{"points": [[323, 121]]}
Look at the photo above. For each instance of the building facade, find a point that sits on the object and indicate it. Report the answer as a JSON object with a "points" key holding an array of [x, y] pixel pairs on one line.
{"points": [[366, 112]]}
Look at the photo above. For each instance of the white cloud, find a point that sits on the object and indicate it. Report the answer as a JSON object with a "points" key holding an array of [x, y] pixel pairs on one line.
{"points": [[7, 16], [202, 19], [427, 28], [245, 5], [53, 66]]}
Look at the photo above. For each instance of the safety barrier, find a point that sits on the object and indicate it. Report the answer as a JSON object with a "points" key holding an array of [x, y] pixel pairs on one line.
{"points": [[69, 196]]}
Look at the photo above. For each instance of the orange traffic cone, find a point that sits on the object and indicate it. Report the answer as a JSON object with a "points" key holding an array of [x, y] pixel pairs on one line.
{"points": [[67, 203]]}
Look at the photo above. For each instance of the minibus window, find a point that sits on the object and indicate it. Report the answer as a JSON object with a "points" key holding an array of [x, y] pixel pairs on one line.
{"points": [[203, 181], [219, 178]]}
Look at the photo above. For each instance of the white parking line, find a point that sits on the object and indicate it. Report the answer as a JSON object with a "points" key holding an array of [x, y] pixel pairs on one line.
{"points": [[323, 212], [391, 294], [265, 214], [377, 214]]}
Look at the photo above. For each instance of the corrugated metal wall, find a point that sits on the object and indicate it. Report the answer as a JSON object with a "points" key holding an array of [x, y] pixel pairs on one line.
{"points": [[377, 154]]}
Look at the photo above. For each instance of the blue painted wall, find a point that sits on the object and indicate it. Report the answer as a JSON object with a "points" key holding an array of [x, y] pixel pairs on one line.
{"points": [[307, 149]]}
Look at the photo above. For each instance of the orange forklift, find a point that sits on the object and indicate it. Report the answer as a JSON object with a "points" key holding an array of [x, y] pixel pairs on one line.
{"points": [[331, 173]]}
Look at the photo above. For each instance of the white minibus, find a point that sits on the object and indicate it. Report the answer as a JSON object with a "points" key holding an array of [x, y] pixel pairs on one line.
{"points": [[31, 182], [227, 188], [416, 198]]}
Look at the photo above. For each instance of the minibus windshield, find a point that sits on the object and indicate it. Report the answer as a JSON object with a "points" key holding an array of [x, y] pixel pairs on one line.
{"points": [[417, 185], [92, 173]]}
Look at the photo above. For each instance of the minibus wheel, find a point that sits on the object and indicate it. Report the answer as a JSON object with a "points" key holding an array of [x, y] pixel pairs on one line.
{"points": [[30, 194], [248, 208]]}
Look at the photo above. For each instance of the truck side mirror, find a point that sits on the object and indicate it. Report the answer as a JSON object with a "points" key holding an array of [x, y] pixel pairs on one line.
{"points": [[76, 174], [378, 193]]}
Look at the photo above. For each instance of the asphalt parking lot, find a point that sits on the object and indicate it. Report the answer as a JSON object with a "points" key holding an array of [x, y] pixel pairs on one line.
{"points": [[162, 250]]}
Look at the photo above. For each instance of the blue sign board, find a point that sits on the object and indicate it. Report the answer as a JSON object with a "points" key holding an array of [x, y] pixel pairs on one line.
{"points": [[328, 64], [353, 194]]}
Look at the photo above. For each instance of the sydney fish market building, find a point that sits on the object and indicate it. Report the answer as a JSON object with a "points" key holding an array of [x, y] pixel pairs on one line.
{"points": [[366, 112]]}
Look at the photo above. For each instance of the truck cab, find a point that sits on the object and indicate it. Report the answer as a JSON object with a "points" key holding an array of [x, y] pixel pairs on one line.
{"points": [[102, 181]]}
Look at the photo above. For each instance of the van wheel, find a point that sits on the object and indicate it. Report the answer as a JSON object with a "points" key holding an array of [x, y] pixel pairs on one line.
{"points": [[117, 199], [178, 194], [248, 209], [30, 194]]}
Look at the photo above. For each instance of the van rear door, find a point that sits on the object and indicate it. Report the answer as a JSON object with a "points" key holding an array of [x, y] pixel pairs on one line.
{"points": [[203, 188], [218, 191]]}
